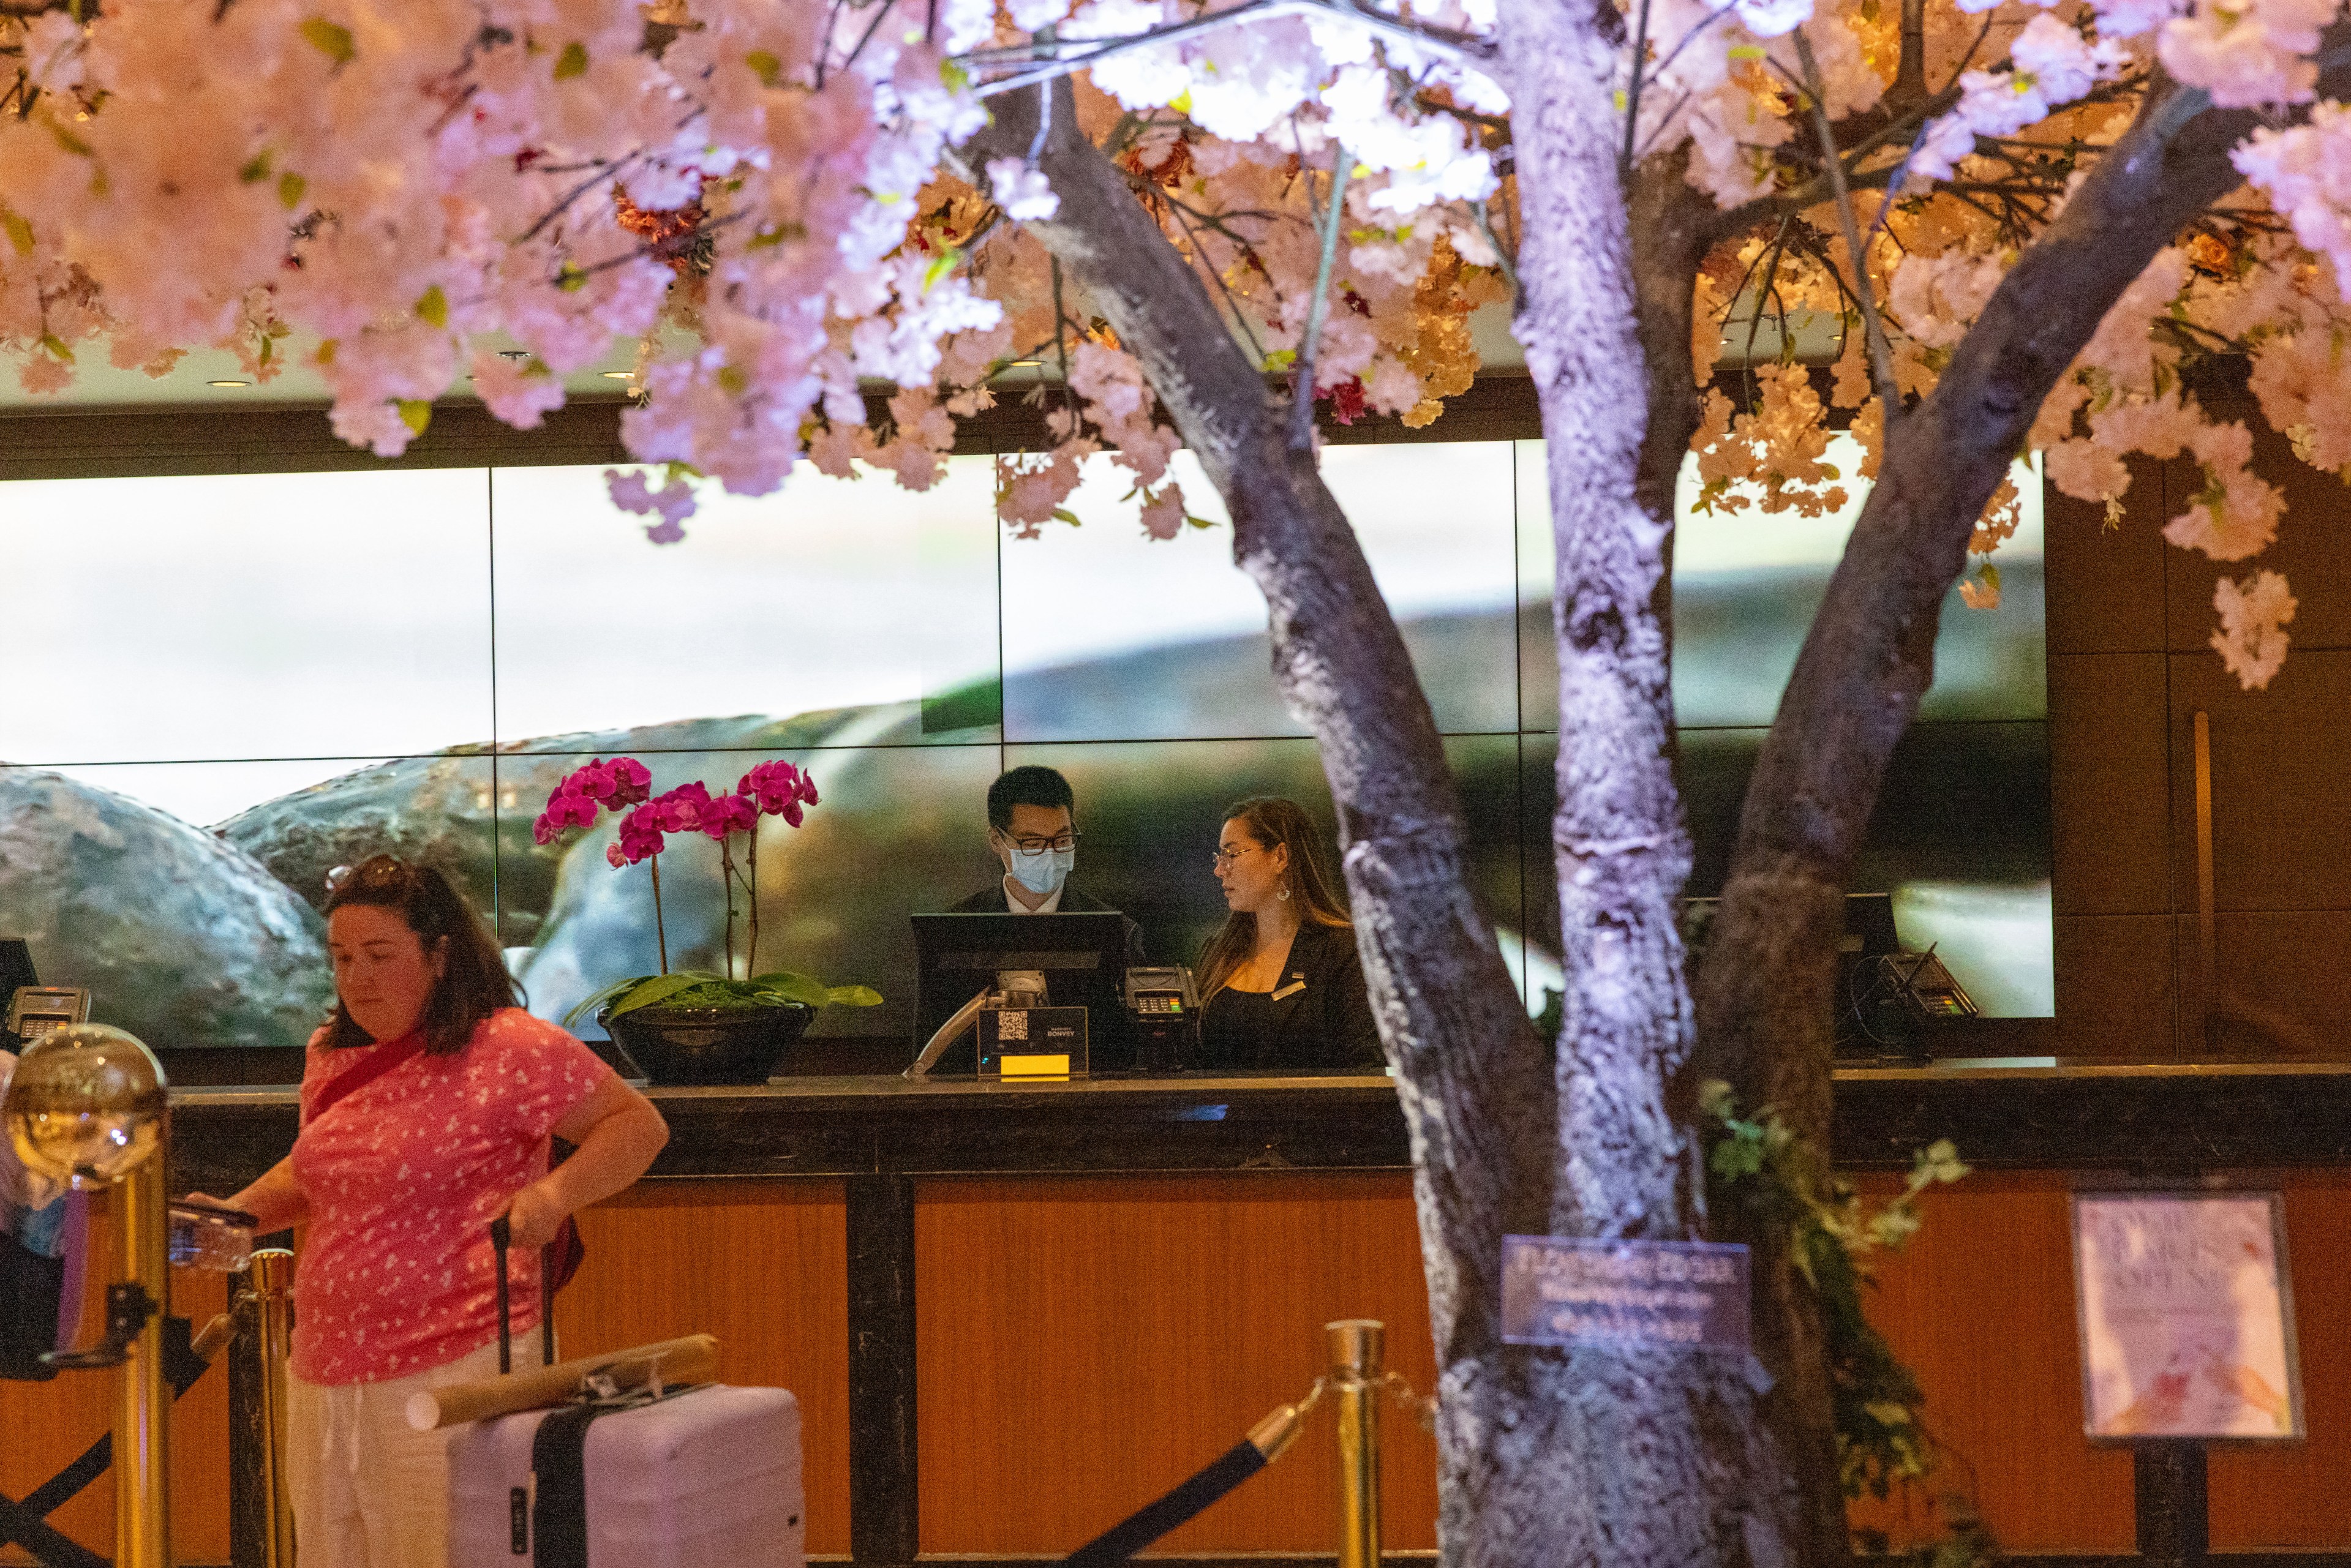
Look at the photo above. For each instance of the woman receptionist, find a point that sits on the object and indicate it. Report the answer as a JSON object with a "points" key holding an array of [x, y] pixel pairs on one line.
{"points": [[1279, 984]]}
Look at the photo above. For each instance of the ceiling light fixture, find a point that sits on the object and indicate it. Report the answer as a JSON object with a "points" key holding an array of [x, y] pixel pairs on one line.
{"points": [[228, 383], [617, 375]]}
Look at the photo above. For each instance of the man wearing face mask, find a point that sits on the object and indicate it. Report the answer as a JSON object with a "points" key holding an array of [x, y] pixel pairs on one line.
{"points": [[1033, 828]]}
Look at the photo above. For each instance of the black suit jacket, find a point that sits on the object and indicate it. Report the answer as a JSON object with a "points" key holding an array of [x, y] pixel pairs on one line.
{"points": [[995, 901], [1320, 1017]]}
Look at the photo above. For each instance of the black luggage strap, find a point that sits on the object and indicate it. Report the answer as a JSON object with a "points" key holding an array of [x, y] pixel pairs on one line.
{"points": [[559, 1510], [553, 1532]]}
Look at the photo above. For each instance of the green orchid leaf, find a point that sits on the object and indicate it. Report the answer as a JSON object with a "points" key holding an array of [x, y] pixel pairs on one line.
{"points": [[602, 994], [796, 987], [661, 987]]}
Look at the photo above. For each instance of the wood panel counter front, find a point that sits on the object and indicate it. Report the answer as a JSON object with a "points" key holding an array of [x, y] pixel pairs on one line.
{"points": [[1012, 1314]]}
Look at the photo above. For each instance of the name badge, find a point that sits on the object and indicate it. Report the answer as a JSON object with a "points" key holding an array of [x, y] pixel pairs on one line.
{"points": [[1291, 989]]}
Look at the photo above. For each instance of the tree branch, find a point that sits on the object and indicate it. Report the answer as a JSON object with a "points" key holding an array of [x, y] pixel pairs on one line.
{"points": [[1471, 1075], [1881, 357]]}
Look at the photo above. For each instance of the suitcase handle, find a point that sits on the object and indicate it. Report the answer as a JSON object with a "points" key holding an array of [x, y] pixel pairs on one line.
{"points": [[501, 1237]]}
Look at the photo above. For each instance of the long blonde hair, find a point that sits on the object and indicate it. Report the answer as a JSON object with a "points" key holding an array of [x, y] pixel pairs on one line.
{"points": [[1268, 820]]}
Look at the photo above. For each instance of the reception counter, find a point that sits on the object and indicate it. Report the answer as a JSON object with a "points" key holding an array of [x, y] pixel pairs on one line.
{"points": [[1014, 1313]]}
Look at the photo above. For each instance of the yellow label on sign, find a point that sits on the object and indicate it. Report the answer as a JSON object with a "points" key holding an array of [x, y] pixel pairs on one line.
{"points": [[1035, 1066]]}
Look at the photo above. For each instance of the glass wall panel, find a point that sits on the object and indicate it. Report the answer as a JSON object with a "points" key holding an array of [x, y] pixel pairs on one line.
{"points": [[829, 594], [1150, 810], [899, 829], [1745, 589], [1111, 635], [323, 666], [235, 617], [1961, 838]]}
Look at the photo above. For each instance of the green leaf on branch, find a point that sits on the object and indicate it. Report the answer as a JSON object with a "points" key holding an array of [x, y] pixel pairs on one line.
{"points": [[941, 265], [432, 308], [769, 69], [415, 414], [256, 169], [291, 187], [571, 62], [329, 40], [19, 231], [1782, 1185]]}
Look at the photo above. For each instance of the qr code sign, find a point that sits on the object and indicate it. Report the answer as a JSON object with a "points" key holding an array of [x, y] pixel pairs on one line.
{"points": [[1012, 1026]]}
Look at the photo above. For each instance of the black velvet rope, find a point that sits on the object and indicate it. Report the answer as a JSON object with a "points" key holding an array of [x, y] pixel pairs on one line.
{"points": [[1147, 1524]]}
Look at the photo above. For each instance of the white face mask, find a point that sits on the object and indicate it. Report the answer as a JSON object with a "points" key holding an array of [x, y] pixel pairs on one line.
{"points": [[1042, 871]]}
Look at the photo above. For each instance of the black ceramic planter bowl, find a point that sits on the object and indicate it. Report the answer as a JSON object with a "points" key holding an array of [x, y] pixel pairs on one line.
{"points": [[708, 1045]]}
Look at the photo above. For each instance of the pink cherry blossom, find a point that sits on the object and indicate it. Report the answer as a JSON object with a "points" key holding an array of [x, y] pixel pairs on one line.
{"points": [[2251, 640]]}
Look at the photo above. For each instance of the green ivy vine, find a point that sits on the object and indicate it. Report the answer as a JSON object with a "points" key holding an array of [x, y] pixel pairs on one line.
{"points": [[1834, 1235]]}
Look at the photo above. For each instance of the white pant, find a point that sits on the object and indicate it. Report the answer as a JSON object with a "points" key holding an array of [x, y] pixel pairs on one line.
{"points": [[368, 1492]]}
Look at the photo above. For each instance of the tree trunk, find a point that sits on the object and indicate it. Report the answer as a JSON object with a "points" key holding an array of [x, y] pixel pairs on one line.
{"points": [[1663, 1444], [1765, 990]]}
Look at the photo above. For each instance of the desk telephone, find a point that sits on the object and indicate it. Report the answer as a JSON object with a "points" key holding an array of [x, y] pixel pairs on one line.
{"points": [[1039, 1040], [36, 1010]]}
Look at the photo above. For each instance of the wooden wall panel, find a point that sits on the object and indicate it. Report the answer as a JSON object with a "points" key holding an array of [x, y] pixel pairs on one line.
{"points": [[764, 1265], [1084, 1343], [2280, 1495], [47, 1426], [1980, 1306]]}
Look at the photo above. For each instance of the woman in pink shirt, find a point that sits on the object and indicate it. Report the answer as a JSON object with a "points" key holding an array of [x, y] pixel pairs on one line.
{"points": [[453, 1092]]}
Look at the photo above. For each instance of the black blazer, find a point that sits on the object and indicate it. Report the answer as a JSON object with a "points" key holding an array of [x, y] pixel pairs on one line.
{"points": [[995, 901], [1320, 1016]]}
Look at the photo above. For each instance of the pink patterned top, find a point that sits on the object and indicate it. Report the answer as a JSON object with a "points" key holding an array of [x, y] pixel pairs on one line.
{"points": [[403, 1176]]}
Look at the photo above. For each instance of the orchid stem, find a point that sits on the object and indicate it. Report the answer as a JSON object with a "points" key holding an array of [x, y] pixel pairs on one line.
{"points": [[751, 960], [661, 937], [726, 880]]}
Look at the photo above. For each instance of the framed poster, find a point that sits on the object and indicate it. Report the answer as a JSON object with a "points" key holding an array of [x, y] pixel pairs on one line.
{"points": [[2187, 1316]]}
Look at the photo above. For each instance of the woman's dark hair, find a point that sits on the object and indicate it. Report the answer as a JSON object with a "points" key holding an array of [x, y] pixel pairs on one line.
{"points": [[1268, 820], [473, 981]]}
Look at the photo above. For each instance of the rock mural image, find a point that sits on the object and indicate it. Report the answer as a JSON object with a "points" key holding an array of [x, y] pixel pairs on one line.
{"points": [[183, 937]]}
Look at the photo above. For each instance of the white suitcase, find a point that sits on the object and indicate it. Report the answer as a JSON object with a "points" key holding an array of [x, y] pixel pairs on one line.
{"points": [[706, 1478]]}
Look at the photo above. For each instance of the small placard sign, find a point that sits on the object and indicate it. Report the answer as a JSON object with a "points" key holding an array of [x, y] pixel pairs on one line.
{"points": [[1559, 1289], [2187, 1316]]}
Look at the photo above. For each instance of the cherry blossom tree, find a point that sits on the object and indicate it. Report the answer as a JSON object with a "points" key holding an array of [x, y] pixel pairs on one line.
{"points": [[1201, 222]]}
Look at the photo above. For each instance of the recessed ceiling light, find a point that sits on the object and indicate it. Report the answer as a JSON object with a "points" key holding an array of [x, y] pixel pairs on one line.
{"points": [[617, 375], [1018, 363], [228, 383]]}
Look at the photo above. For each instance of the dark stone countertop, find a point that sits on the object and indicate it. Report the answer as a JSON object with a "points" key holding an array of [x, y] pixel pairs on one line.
{"points": [[2167, 1121]]}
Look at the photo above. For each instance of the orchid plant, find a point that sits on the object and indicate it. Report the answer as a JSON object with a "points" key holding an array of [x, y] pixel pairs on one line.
{"points": [[624, 788]]}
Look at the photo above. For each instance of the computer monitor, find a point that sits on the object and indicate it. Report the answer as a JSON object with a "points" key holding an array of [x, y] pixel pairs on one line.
{"points": [[15, 971], [15, 967], [1868, 936], [1082, 956]]}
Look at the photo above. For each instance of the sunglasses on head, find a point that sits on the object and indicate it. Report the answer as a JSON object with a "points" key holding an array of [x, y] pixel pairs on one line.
{"points": [[373, 872]]}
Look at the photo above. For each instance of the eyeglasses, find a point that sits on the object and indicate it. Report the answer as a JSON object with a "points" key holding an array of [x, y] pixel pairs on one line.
{"points": [[1032, 846], [376, 870], [1224, 858]]}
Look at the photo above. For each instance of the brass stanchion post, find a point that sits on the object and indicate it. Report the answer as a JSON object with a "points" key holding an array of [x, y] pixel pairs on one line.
{"points": [[271, 1285], [143, 1412], [1356, 1371]]}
